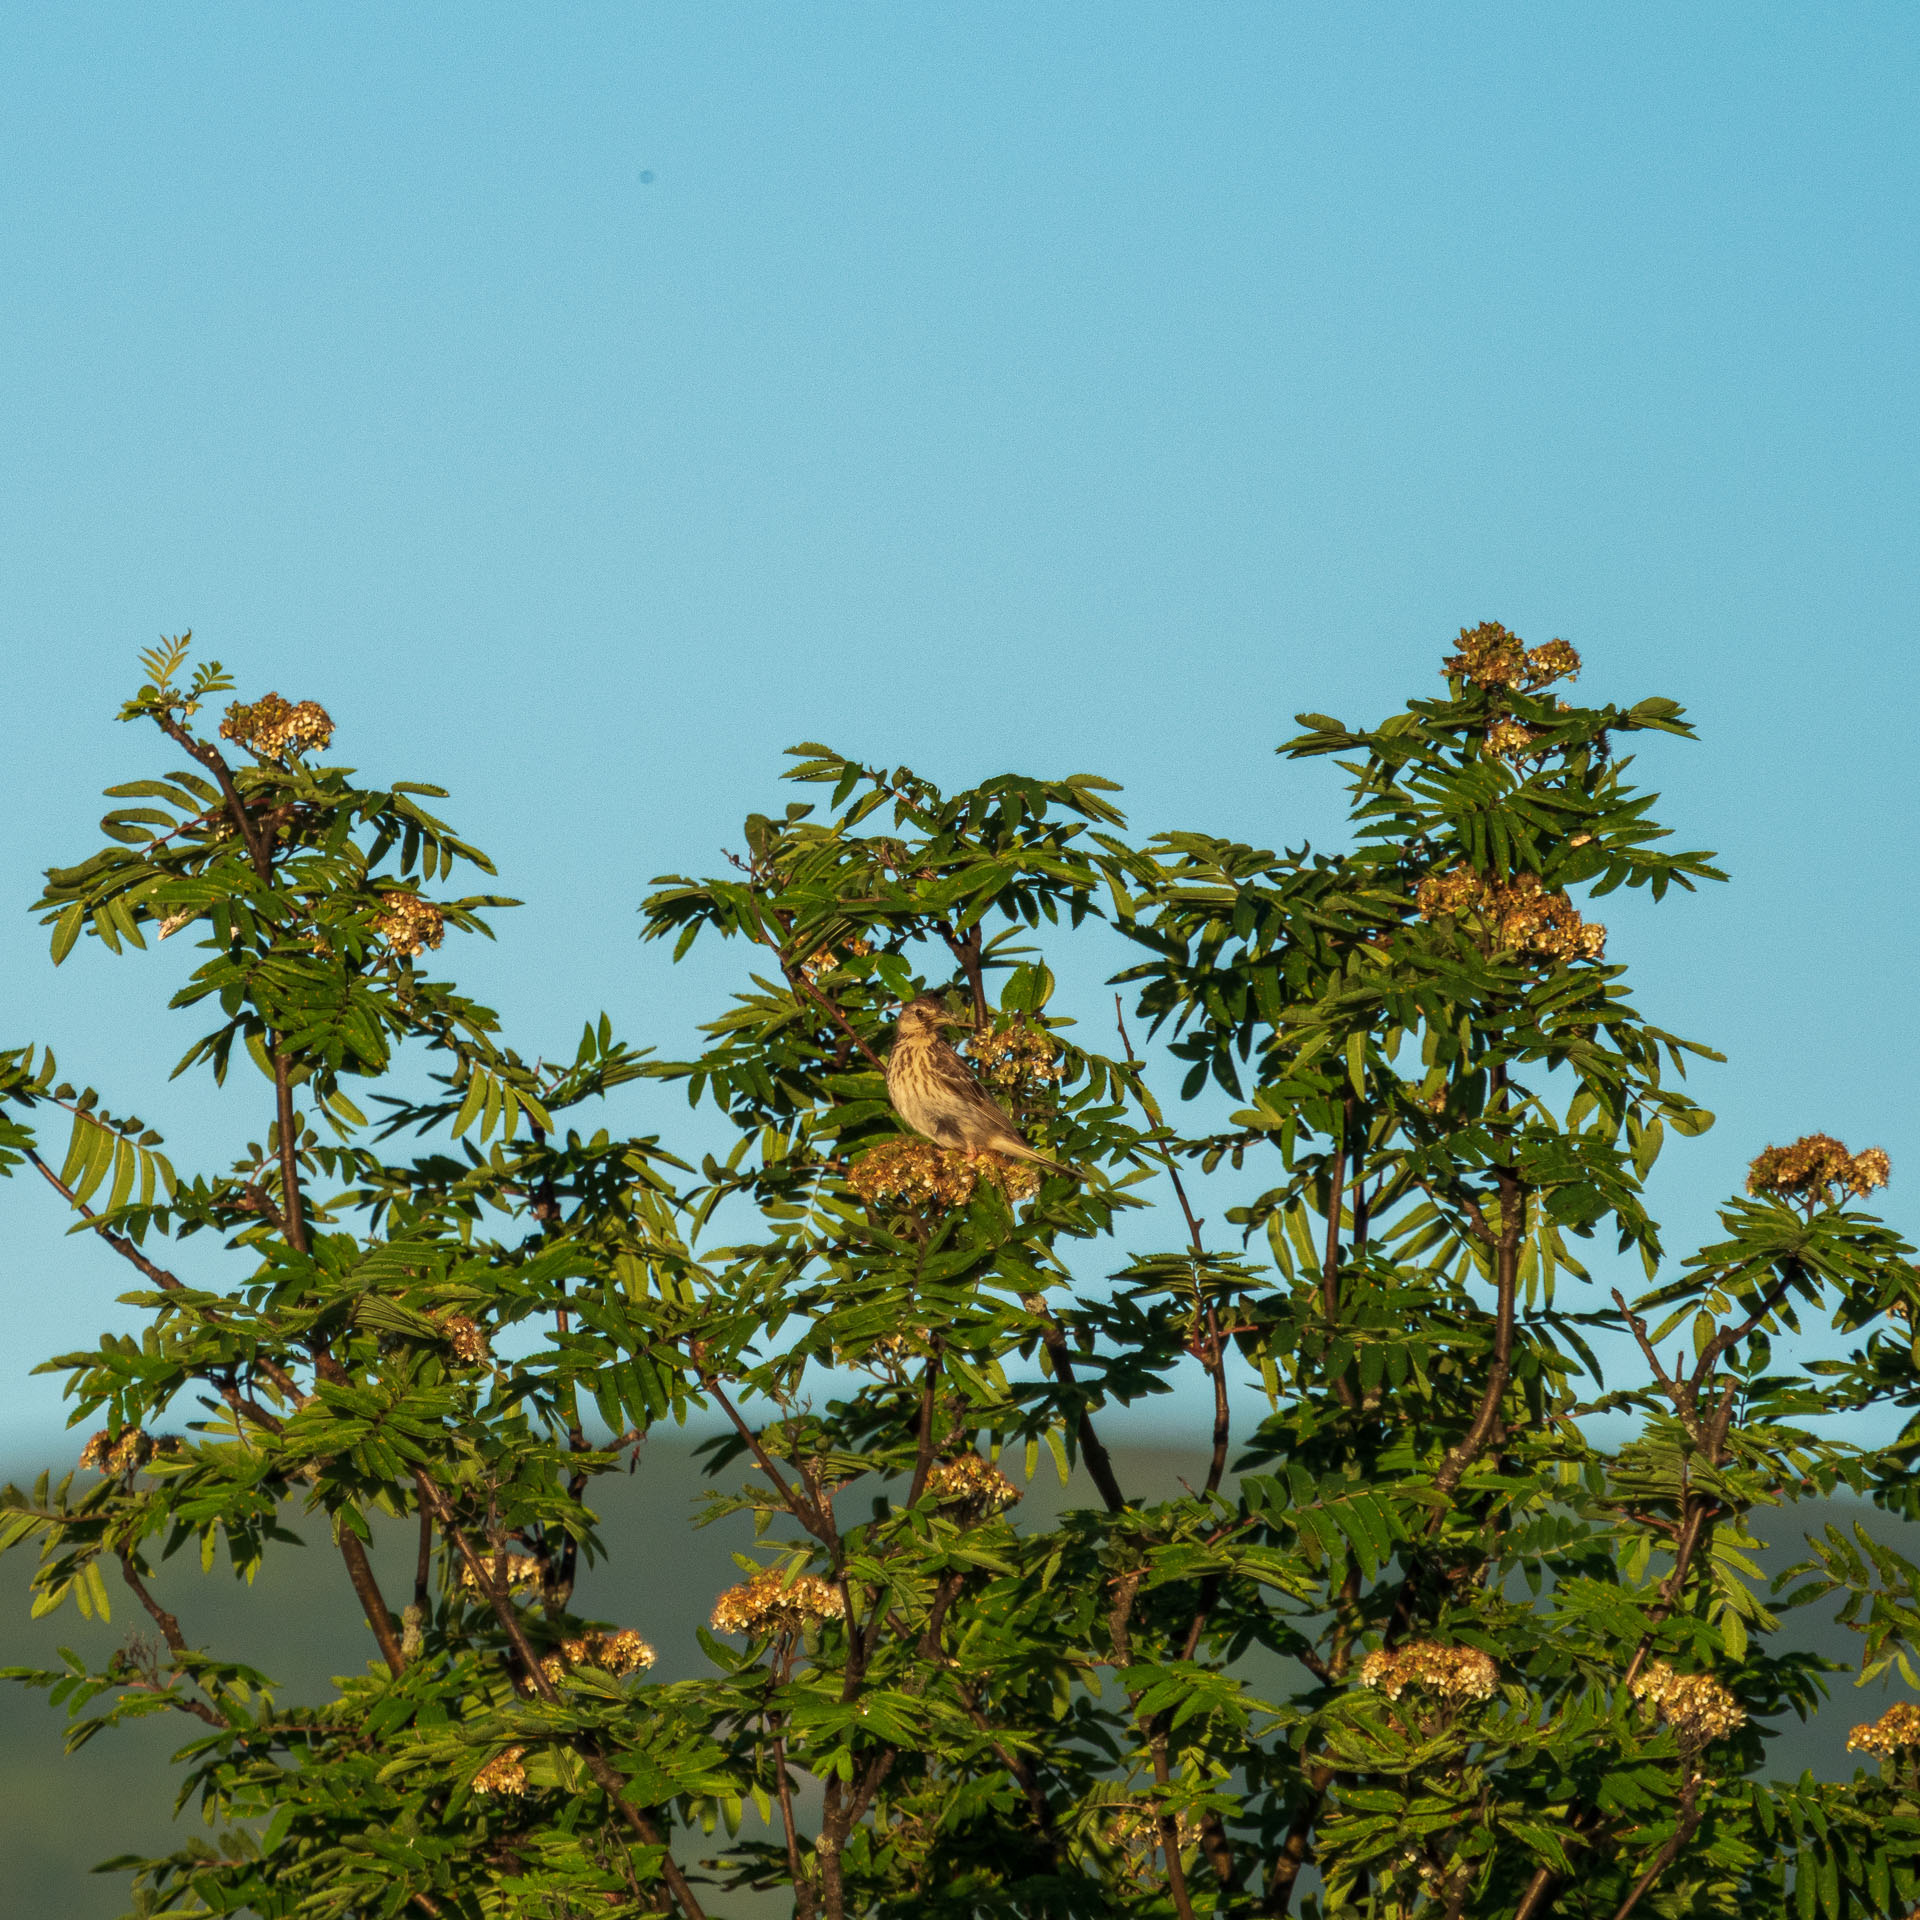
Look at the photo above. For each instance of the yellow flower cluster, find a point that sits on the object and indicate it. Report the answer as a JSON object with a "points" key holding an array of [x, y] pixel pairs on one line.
{"points": [[467, 1338], [1695, 1705], [771, 1603], [502, 1774], [1454, 1673], [1508, 739], [912, 1172], [1814, 1163], [273, 726], [622, 1652], [1898, 1727], [1522, 914], [1490, 656], [1134, 1831], [409, 923], [1016, 1061], [523, 1570], [122, 1452], [825, 960], [970, 1482]]}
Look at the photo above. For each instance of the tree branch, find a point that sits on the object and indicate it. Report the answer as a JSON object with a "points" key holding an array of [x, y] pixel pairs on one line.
{"points": [[170, 1633], [604, 1775]]}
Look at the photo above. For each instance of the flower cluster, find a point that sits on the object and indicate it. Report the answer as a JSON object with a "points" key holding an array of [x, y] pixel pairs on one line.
{"points": [[273, 726], [1898, 1727], [1490, 656], [770, 1603], [1521, 912], [467, 1339], [1016, 1062], [913, 1172], [502, 1774], [1813, 1165], [1454, 1673], [1695, 1705], [1508, 739], [409, 923], [969, 1482], [1134, 1832], [622, 1652], [826, 960], [122, 1452], [523, 1570]]}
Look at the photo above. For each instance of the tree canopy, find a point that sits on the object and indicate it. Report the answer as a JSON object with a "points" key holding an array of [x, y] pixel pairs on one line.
{"points": [[1413, 1641]]}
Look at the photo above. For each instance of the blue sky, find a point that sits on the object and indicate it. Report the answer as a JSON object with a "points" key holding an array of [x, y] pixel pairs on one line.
{"points": [[978, 387]]}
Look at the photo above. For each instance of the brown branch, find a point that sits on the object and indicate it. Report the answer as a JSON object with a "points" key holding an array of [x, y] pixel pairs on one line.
{"points": [[1169, 1826], [1092, 1449], [1213, 1357], [966, 950], [1669, 1853], [259, 849], [1222, 1415], [170, 1283], [359, 1570], [171, 1634], [802, 1510], [799, 984], [1336, 1202], [1506, 1281], [423, 1561], [805, 1904], [161, 1278], [1284, 1874], [604, 1775], [923, 1453], [292, 1206], [372, 1603], [1538, 1888], [1022, 1774]]}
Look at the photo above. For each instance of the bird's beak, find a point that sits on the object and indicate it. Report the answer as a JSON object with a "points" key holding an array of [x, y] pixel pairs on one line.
{"points": [[957, 1020]]}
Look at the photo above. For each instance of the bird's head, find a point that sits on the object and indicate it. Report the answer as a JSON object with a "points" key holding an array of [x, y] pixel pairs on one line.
{"points": [[923, 1018]]}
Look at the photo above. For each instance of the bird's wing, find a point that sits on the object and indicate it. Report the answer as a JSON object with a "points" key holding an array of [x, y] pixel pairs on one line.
{"points": [[959, 1082]]}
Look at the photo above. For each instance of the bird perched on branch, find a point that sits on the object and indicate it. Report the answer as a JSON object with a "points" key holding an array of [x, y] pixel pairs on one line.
{"points": [[933, 1090]]}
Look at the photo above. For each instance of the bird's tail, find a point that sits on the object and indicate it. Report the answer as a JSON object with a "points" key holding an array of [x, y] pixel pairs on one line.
{"points": [[1052, 1166]]}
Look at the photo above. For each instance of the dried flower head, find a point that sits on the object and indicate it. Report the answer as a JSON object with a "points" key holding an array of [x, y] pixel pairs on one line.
{"points": [[522, 1570], [467, 1339], [1817, 1168], [409, 923], [826, 960], [1018, 1062], [622, 1652], [273, 727], [1695, 1705], [1134, 1833], [1555, 660], [912, 1172], [770, 1603], [123, 1452], [1454, 1673], [1520, 913], [1509, 740], [974, 1485], [1490, 656], [1895, 1730], [502, 1774]]}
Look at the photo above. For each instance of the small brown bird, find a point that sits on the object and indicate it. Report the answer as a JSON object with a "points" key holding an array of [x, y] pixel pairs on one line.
{"points": [[933, 1090]]}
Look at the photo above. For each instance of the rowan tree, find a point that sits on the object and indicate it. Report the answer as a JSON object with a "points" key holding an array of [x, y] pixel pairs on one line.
{"points": [[1413, 1641]]}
